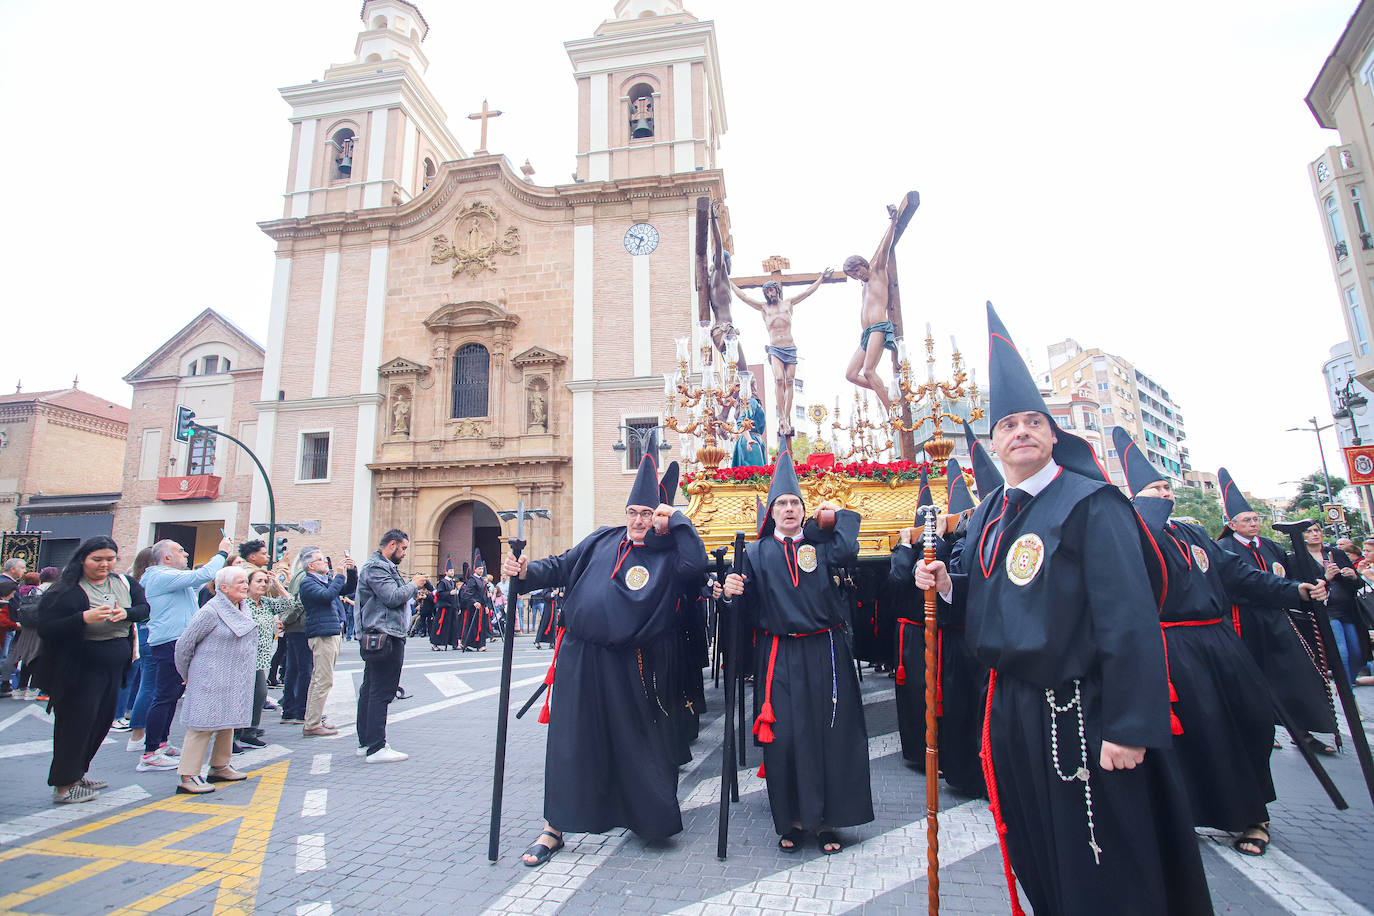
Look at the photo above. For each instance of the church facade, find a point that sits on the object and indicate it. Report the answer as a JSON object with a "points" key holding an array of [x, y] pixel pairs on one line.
{"points": [[447, 338]]}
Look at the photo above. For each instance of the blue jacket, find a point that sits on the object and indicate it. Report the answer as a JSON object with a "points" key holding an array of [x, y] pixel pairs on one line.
{"points": [[324, 612], [172, 597]]}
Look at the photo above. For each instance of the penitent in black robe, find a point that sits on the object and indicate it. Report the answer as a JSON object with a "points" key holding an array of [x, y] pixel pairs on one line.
{"points": [[609, 759], [1224, 707], [962, 681], [473, 603], [448, 622], [816, 764], [1275, 644], [545, 630], [1064, 612]]}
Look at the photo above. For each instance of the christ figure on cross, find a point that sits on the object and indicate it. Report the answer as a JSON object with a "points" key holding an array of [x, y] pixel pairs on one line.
{"points": [[781, 349], [879, 332]]}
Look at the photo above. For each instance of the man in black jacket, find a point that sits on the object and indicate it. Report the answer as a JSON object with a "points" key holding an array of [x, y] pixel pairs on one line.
{"points": [[324, 626], [385, 601]]}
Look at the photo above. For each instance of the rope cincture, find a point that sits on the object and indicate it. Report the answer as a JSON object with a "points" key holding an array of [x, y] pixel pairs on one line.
{"points": [[549, 676], [994, 803], [1175, 724]]}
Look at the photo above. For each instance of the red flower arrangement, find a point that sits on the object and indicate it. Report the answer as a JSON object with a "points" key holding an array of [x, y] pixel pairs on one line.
{"points": [[756, 475]]}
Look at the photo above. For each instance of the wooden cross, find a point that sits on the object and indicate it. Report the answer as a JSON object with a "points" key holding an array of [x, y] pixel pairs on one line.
{"points": [[484, 115], [775, 266]]}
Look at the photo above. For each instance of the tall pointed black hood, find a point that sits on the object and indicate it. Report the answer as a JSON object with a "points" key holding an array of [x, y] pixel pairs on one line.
{"points": [[1139, 472], [958, 498], [645, 489], [667, 487], [1013, 390], [784, 483], [985, 473], [1233, 503], [924, 498]]}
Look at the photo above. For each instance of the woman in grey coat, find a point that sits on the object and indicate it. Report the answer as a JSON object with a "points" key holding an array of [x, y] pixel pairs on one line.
{"points": [[216, 658]]}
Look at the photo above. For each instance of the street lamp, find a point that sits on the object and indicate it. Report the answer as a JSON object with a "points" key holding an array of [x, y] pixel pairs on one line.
{"points": [[641, 436], [1326, 477]]}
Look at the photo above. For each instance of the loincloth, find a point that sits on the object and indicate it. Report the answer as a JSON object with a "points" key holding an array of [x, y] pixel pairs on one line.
{"points": [[786, 355], [885, 328]]}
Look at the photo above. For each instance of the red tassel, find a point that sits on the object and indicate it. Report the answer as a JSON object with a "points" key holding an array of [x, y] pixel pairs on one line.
{"points": [[761, 776], [1175, 726], [544, 713], [1173, 693], [901, 675], [763, 725]]}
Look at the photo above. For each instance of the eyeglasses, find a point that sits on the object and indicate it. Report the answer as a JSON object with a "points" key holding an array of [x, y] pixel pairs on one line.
{"points": [[646, 515]]}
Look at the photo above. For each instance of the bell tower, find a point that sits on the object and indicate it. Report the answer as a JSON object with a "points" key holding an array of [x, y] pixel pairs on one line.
{"points": [[649, 93], [370, 133]]}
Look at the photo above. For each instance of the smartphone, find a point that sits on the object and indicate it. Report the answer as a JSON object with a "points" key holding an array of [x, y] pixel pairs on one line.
{"points": [[223, 533], [329, 561]]}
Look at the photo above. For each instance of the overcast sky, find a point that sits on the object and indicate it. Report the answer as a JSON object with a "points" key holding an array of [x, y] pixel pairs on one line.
{"points": [[1130, 176]]}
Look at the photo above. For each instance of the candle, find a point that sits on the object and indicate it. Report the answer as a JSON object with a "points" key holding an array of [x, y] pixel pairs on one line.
{"points": [[954, 344], [669, 383], [746, 385], [708, 375], [901, 349], [732, 349], [929, 336], [682, 344]]}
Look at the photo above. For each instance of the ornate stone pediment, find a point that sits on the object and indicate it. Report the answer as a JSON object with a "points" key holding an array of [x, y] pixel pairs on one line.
{"points": [[476, 241], [470, 316], [400, 367], [538, 356]]}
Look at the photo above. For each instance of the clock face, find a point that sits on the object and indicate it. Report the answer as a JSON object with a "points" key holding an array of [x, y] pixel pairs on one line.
{"points": [[641, 238]]}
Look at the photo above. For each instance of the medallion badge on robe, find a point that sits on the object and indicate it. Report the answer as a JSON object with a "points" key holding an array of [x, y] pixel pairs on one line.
{"points": [[636, 578], [806, 557], [1200, 557], [1024, 558]]}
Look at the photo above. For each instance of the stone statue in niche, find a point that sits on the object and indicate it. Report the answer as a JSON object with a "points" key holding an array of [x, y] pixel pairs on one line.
{"points": [[538, 409], [400, 416]]}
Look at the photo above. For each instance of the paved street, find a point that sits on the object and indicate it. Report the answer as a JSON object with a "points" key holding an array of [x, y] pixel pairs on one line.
{"points": [[316, 831]]}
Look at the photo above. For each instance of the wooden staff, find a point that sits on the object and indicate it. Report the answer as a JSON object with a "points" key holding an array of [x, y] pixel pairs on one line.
{"points": [[498, 781], [932, 734]]}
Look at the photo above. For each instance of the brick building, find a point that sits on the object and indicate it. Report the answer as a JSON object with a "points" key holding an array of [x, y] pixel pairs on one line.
{"points": [[188, 491], [446, 337], [61, 461]]}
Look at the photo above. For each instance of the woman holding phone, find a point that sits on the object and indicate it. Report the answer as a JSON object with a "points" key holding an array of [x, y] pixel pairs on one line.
{"points": [[84, 620]]}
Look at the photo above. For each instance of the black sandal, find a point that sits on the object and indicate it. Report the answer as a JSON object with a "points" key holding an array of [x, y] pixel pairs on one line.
{"points": [[795, 836], [1316, 746], [541, 853], [1262, 843], [826, 838]]}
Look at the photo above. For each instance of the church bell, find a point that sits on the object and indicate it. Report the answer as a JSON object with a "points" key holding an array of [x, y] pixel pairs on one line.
{"points": [[642, 119]]}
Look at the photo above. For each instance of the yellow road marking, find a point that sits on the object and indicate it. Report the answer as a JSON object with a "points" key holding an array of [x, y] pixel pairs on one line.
{"points": [[237, 872]]}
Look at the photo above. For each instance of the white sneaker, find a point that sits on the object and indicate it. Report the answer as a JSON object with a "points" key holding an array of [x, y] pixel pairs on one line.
{"points": [[155, 761], [135, 744], [360, 752], [169, 750], [387, 754]]}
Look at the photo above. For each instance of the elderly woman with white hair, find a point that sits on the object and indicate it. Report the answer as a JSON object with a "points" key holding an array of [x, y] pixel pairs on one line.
{"points": [[215, 656]]}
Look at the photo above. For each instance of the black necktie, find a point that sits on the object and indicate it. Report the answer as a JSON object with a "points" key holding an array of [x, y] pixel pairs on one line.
{"points": [[1011, 509]]}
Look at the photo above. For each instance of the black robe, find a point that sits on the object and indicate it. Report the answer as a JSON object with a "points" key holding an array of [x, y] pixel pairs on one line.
{"points": [[473, 603], [545, 630], [609, 758], [816, 764], [1065, 613], [448, 622], [1224, 707], [962, 681], [1276, 645]]}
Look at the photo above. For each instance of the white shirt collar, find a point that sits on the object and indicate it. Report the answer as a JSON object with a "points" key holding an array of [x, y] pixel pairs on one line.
{"points": [[1246, 541], [1039, 480], [787, 537]]}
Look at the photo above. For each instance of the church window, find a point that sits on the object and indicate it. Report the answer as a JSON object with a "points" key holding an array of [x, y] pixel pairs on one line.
{"points": [[1333, 222], [211, 365], [200, 457], [379, 23], [429, 173], [191, 369], [635, 441], [471, 365], [373, 58], [1357, 204], [314, 456], [341, 149], [641, 112]]}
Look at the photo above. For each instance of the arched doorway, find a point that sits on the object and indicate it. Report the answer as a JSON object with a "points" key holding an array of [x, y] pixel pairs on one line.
{"points": [[469, 526]]}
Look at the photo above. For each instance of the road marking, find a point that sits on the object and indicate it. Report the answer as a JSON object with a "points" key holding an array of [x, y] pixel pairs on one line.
{"points": [[33, 709], [315, 802], [342, 703], [1286, 881], [322, 908], [309, 852], [254, 758], [458, 663], [29, 748], [319, 764], [29, 824], [236, 873], [448, 683], [834, 884], [575, 863], [438, 705]]}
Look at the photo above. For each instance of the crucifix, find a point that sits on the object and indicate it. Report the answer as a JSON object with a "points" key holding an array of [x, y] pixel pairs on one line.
{"points": [[777, 318], [484, 116]]}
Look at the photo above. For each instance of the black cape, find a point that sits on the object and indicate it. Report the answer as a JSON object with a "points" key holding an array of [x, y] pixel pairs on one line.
{"points": [[472, 602], [1224, 707], [1276, 645], [609, 759], [816, 764], [448, 621], [1064, 612]]}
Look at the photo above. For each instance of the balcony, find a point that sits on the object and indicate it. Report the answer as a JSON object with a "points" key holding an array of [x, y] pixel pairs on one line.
{"points": [[200, 486]]}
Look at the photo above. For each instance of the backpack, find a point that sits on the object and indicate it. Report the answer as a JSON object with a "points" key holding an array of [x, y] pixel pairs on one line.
{"points": [[24, 608]]}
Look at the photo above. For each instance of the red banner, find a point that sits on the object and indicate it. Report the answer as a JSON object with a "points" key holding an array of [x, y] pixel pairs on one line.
{"points": [[1359, 463], [201, 486]]}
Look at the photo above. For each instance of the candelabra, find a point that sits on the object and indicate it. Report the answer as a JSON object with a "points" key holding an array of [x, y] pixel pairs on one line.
{"points": [[936, 399], [709, 402], [863, 433]]}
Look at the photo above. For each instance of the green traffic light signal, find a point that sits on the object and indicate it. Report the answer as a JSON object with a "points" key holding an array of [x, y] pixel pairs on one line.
{"points": [[184, 429]]}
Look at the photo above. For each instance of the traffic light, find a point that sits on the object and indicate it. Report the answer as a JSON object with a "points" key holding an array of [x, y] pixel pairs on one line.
{"points": [[280, 549], [183, 428]]}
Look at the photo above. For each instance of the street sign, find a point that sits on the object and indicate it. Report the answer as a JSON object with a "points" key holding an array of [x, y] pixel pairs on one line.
{"points": [[182, 430]]}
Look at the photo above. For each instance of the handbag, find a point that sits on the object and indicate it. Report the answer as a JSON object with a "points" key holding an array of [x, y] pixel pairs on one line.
{"points": [[372, 642]]}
